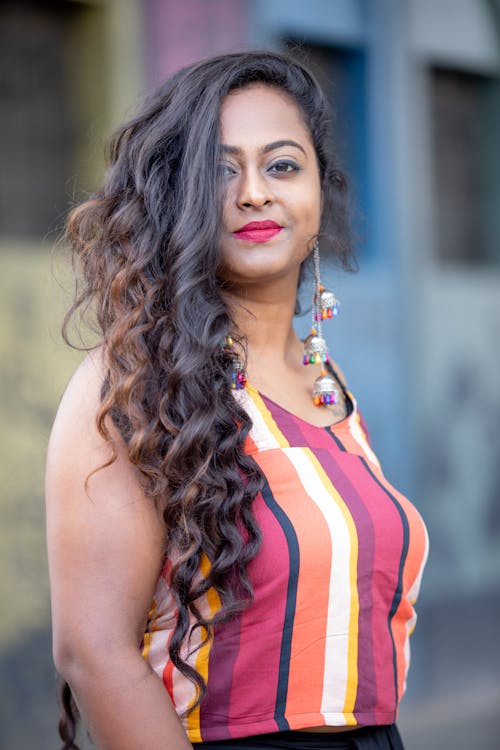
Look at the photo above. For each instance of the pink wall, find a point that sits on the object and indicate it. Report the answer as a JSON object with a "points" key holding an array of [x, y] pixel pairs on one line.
{"points": [[179, 32]]}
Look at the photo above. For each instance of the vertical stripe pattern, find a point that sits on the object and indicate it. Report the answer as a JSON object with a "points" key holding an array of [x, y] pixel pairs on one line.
{"points": [[326, 639]]}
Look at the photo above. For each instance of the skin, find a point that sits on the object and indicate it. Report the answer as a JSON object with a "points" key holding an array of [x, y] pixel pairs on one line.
{"points": [[99, 599], [263, 277]]}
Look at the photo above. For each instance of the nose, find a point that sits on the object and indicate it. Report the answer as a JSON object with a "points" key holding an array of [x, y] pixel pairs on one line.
{"points": [[254, 190]]}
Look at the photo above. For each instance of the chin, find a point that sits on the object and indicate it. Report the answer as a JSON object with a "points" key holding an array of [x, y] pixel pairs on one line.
{"points": [[245, 266], [262, 276]]}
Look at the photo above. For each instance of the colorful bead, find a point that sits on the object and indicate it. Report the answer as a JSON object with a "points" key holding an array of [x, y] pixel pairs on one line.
{"points": [[315, 350], [238, 375], [324, 390], [327, 306]]}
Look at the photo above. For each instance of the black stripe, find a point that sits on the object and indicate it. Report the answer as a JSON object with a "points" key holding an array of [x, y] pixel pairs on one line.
{"points": [[291, 600], [399, 589], [329, 430], [349, 402]]}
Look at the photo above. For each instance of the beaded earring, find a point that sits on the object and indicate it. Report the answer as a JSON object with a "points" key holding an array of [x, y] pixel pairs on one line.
{"points": [[238, 374], [325, 305]]}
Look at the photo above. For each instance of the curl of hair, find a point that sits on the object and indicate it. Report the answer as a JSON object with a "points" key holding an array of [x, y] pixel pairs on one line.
{"points": [[148, 248]]}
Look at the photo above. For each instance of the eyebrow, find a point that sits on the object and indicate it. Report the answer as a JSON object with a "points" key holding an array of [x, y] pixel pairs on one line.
{"points": [[265, 149]]}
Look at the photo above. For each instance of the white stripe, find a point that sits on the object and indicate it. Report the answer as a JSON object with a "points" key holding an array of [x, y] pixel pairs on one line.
{"points": [[158, 650], [410, 625], [411, 596], [163, 623], [359, 436], [339, 599], [158, 656], [260, 432]]}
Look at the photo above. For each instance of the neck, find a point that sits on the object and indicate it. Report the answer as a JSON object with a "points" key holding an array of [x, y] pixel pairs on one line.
{"points": [[264, 315]]}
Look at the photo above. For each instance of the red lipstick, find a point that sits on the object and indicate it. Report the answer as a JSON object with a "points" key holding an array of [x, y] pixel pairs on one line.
{"points": [[258, 231]]}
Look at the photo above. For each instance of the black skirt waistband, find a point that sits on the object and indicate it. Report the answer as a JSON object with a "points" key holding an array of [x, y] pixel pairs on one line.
{"points": [[384, 737]]}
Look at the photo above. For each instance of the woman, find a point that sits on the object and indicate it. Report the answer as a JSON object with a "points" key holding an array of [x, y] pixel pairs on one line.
{"points": [[229, 566]]}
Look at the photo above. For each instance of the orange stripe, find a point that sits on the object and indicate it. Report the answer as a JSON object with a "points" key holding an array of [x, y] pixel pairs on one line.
{"points": [[343, 432], [307, 658], [250, 446], [352, 655], [412, 566], [357, 447]]}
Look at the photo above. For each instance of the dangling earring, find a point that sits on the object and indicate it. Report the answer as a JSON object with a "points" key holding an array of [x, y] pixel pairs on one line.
{"points": [[325, 305], [238, 374]]}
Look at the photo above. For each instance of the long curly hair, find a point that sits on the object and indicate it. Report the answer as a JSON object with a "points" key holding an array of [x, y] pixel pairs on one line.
{"points": [[147, 244]]}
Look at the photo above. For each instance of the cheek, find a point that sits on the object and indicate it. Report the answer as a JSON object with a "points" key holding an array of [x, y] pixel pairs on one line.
{"points": [[311, 214], [225, 210], [312, 201]]}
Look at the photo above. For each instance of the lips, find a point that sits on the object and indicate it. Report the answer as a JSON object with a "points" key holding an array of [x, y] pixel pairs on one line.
{"points": [[258, 231]]}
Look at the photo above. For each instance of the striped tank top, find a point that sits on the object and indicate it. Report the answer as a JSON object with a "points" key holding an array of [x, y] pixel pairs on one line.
{"points": [[326, 639]]}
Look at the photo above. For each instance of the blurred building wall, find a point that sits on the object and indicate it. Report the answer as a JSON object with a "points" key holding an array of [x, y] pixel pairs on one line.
{"points": [[415, 88], [181, 33]]}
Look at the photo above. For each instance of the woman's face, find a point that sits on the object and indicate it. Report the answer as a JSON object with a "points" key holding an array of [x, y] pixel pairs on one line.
{"points": [[272, 186]]}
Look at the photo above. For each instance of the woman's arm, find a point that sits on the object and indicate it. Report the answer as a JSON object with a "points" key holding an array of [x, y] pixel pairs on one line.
{"points": [[105, 548]]}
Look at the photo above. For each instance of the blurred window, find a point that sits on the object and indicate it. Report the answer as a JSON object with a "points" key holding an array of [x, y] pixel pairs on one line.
{"points": [[466, 155], [41, 80], [342, 73]]}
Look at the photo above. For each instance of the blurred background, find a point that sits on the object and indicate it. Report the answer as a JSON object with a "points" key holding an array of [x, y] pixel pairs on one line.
{"points": [[416, 90]]}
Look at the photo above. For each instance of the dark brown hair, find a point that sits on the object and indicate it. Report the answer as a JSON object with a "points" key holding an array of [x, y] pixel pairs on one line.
{"points": [[148, 247]]}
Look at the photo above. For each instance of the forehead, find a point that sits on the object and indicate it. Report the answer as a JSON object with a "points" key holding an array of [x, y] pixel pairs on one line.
{"points": [[261, 114]]}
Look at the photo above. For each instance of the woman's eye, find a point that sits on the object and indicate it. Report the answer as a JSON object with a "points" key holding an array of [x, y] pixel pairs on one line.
{"points": [[284, 167], [225, 170]]}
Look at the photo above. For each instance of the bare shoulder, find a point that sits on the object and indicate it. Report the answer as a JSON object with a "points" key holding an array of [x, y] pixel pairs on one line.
{"points": [[99, 520], [82, 394], [75, 443], [76, 448]]}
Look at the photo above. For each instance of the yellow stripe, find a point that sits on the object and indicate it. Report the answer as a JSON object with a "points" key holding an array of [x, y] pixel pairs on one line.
{"points": [[352, 656], [267, 417], [148, 636], [214, 603]]}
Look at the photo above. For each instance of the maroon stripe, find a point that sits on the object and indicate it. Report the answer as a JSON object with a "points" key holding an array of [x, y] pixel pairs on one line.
{"points": [[298, 432], [244, 665], [214, 710]]}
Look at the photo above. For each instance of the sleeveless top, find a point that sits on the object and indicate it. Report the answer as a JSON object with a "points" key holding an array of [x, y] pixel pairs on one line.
{"points": [[326, 639]]}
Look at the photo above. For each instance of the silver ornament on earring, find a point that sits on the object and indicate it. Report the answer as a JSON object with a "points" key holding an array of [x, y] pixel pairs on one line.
{"points": [[325, 391], [328, 305], [315, 349], [325, 305]]}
